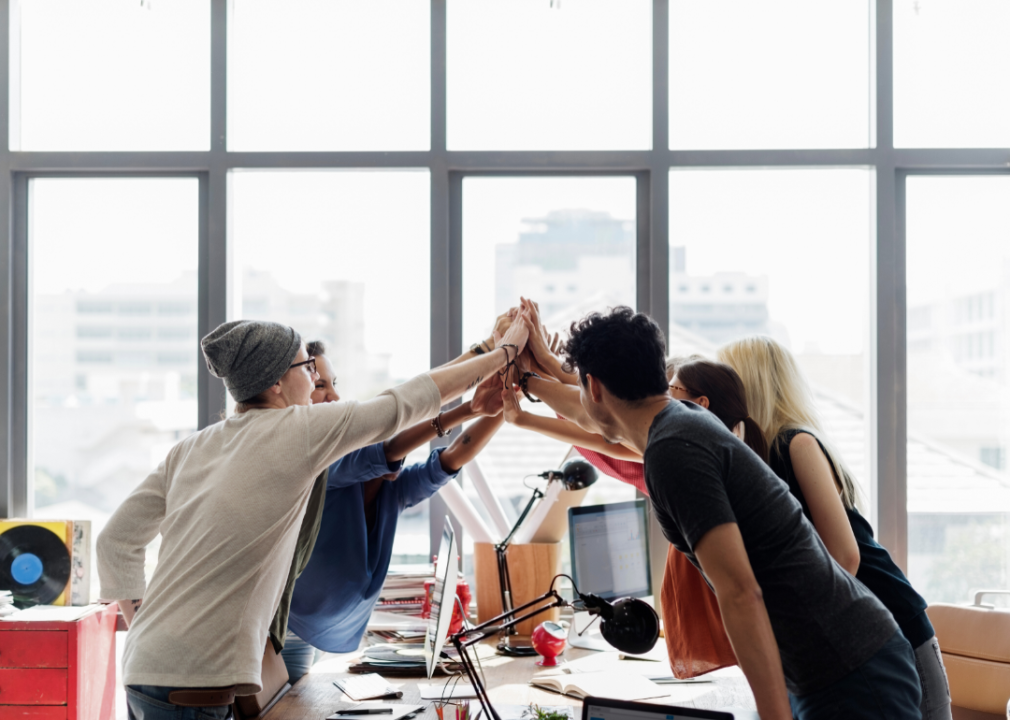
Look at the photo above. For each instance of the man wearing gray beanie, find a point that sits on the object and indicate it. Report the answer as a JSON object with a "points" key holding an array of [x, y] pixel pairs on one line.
{"points": [[228, 502]]}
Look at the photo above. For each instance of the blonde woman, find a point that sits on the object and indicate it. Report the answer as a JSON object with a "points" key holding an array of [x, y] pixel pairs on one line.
{"points": [[781, 402]]}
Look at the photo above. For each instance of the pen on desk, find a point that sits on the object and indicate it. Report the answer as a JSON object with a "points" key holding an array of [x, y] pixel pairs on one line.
{"points": [[366, 711]]}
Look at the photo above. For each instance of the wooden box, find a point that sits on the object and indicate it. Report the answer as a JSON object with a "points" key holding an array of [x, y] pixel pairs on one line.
{"points": [[531, 569], [59, 670]]}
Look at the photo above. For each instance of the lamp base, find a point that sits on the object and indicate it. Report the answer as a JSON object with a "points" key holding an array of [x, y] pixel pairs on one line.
{"points": [[511, 647]]}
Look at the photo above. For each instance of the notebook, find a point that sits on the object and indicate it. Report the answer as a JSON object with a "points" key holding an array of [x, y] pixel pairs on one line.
{"points": [[618, 686]]}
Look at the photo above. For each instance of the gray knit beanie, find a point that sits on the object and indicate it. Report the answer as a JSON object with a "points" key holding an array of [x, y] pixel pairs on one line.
{"points": [[250, 355]]}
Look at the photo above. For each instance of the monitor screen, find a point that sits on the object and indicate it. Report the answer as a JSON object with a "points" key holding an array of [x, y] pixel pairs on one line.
{"points": [[442, 597], [610, 549]]}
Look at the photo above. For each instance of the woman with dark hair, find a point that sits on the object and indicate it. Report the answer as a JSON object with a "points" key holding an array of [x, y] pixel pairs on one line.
{"points": [[717, 387]]}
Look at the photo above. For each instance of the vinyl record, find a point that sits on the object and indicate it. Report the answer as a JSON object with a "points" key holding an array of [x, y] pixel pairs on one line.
{"points": [[34, 564], [401, 653]]}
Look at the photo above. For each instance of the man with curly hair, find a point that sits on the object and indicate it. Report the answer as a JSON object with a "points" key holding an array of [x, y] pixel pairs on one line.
{"points": [[805, 632]]}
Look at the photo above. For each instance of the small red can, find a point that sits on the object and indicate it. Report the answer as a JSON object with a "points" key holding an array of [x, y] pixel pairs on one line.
{"points": [[462, 592]]}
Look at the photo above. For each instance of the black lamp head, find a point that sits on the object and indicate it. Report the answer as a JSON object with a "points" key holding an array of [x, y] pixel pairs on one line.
{"points": [[578, 474], [629, 624]]}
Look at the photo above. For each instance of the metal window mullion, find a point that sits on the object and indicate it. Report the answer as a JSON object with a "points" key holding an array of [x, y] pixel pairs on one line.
{"points": [[445, 274], [888, 377], [213, 284]]}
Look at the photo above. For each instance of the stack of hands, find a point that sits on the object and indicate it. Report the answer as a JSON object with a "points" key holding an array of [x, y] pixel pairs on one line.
{"points": [[539, 358]]}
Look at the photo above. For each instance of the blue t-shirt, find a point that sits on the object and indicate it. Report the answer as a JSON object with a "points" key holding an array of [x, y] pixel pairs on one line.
{"points": [[335, 594]]}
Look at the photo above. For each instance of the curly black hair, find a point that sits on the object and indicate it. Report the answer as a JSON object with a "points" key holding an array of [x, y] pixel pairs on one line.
{"points": [[622, 349]]}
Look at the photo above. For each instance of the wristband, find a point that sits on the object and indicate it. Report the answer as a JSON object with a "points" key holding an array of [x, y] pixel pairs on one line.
{"points": [[476, 349], [436, 422], [524, 381]]}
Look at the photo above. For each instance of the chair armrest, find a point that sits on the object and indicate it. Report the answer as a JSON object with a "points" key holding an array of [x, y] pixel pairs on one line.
{"points": [[978, 597]]}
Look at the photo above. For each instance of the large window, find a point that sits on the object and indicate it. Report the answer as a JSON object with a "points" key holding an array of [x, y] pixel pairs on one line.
{"points": [[567, 243], [113, 344], [389, 175], [110, 75], [321, 252], [783, 253], [737, 79], [533, 75], [329, 75], [958, 385]]}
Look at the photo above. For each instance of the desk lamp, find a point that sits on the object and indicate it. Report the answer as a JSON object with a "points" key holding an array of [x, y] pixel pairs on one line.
{"points": [[629, 624], [574, 475]]}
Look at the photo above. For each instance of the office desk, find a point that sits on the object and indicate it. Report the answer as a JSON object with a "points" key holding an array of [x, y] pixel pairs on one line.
{"points": [[315, 696]]}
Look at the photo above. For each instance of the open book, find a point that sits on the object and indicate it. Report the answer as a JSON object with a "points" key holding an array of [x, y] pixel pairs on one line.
{"points": [[617, 686]]}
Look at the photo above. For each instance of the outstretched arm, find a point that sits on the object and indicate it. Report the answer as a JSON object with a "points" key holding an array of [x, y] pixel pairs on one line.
{"points": [[562, 399], [487, 345], [406, 441], [454, 380], [562, 430], [470, 442]]}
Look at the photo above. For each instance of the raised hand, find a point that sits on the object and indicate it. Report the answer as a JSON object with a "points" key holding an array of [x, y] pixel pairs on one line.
{"points": [[504, 321], [517, 334], [554, 343], [510, 405], [487, 397]]}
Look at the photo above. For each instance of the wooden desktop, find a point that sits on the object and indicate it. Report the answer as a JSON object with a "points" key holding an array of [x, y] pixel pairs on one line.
{"points": [[314, 697]]}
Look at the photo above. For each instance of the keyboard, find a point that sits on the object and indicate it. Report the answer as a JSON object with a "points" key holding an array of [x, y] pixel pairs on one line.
{"points": [[371, 686]]}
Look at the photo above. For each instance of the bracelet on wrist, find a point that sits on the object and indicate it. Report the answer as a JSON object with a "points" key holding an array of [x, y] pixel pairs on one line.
{"points": [[436, 422], [524, 383], [477, 349]]}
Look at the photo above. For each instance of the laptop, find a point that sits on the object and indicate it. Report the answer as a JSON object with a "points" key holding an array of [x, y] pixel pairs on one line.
{"points": [[594, 708]]}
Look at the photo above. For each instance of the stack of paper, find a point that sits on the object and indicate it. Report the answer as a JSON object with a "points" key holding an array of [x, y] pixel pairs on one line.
{"points": [[403, 590]]}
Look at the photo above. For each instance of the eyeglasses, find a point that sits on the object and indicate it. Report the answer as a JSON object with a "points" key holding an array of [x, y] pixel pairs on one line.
{"points": [[682, 389], [310, 365]]}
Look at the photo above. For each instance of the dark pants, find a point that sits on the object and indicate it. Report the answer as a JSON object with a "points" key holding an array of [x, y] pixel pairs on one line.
{"points": [[885, 686], [150, 702]]}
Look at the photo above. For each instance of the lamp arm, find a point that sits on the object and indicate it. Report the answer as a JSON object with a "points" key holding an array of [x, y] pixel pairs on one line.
{"points": [[537, 494], [495, 625], [490, 628]]}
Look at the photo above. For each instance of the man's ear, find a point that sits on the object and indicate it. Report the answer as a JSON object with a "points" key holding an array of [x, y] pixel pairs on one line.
{"points": [[275, 388], [703, 401], [595, 388]]}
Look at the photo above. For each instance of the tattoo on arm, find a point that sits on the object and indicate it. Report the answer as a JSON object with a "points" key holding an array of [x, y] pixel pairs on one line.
{"points": [[475, 383], [466, 439]]}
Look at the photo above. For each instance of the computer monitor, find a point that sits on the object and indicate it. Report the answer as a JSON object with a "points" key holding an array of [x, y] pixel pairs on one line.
{"points": [[610, 549], [443, 597]]}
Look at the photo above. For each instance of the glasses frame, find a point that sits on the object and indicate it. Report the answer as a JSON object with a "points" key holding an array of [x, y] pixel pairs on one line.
{"points": [[311, 363]]}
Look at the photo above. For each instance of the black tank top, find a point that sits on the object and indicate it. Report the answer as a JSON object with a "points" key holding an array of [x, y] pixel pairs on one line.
{"points": [[877, 570]]}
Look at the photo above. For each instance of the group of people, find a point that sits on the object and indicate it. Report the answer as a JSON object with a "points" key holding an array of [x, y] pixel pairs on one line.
{"points": [[277, 523]]}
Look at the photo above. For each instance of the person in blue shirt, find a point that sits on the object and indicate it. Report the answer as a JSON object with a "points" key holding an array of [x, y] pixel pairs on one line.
{"points": [[366, 491]]}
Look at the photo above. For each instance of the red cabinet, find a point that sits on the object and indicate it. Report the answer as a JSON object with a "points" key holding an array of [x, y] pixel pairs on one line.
{"points": [[59, 670]]}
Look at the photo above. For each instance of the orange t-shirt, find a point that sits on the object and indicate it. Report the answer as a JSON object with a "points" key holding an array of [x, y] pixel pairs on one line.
{"points": [[695, 636]]}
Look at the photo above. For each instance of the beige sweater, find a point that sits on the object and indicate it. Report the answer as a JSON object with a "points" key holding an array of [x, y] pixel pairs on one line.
{"points": [[228, 502]]}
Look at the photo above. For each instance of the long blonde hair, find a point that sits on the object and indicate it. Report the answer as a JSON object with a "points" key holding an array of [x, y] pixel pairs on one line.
{"points": [[779, 398]]}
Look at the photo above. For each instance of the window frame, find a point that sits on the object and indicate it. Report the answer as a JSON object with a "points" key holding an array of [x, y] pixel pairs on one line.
{"points": [[447, 169]]}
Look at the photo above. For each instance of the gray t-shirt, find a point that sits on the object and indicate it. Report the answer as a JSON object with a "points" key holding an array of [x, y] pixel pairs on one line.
{"points": [[700, 476]]}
